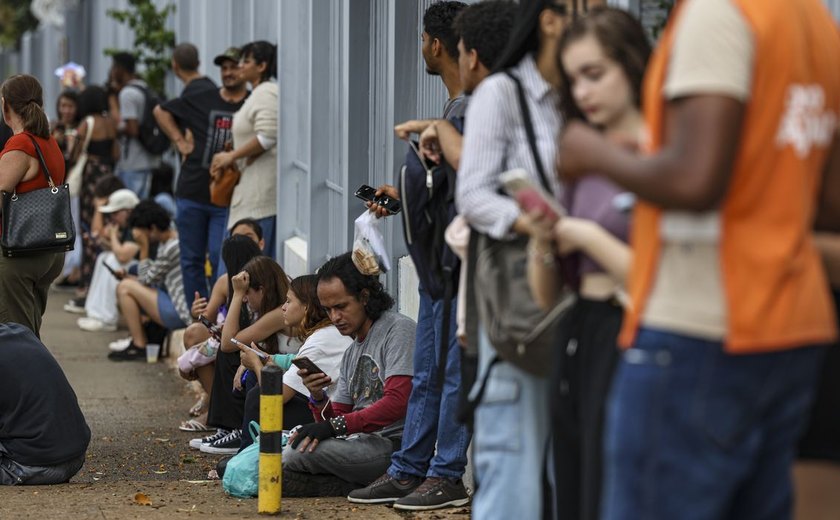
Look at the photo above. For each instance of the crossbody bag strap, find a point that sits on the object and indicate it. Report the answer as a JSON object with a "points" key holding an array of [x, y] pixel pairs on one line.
{"points": [[89, 120], [42, 161], [529, 130]]}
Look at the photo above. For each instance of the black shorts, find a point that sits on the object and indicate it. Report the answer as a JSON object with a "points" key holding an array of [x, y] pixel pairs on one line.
{"points": [[821, 440]]}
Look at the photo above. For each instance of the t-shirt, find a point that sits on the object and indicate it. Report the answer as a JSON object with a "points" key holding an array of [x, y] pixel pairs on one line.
{"points": [[133, 157], [203, 111], [388, 350], [325, 347], [41, 423], [690, 259]]}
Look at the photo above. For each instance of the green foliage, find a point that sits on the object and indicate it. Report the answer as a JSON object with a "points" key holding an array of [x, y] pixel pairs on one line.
{"points": [[15, 19], [153, 42], [667, 6]]}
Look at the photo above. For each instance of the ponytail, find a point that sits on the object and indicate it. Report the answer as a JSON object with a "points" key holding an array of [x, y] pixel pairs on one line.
{"points": [[25, 97], [263, 52]]}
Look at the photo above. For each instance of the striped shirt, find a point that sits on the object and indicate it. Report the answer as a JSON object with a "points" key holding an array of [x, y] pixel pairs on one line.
{"points": [[166, 269], [495, 141]]}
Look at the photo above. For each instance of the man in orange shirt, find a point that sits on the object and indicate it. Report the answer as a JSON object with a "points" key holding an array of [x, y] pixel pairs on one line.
{"points": [[728, 293]]}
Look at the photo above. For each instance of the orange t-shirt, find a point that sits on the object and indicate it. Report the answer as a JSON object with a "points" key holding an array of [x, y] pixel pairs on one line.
{"points": [[776, 291], [52, 157]]}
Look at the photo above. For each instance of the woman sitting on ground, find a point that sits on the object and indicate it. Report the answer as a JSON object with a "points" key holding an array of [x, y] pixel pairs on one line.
{"points": [[322, 344]]}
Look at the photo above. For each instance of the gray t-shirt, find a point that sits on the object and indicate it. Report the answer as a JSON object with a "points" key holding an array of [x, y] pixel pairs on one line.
{"points": [[133, 157], [388, 350]]}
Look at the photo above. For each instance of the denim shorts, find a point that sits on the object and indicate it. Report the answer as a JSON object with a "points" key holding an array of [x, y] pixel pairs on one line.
{"points": [[170, 317]]}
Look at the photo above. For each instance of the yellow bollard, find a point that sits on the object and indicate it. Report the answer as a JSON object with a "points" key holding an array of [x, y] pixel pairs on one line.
{"points": [[271, 440]]}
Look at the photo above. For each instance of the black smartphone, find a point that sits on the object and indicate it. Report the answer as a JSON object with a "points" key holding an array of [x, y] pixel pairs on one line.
{"points": [[307, 364], [368, 194], [115, 274], [212, 327]]}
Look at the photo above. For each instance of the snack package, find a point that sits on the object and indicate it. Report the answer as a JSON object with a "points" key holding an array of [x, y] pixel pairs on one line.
{"points": [[369, 254]]}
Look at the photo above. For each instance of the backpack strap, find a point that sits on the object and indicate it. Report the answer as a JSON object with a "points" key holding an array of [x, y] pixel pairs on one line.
{"points": [[529, 130]]}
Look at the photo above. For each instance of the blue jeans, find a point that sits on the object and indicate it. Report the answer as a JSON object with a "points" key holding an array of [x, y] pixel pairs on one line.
{"points": [[432, 411], [269, 229], [510, 441], [138, 181], [202, 229], [695, 433]]}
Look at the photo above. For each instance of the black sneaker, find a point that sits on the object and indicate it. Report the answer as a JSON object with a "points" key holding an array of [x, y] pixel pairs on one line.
{"points": [[197, 442], [299, 484], [132, 353], [383, 490], [227, 445], [435, 493]]}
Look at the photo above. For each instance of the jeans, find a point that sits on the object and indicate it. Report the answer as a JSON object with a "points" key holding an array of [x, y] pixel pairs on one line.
{"points": [[203, 228], [510, 441], [432, 411], [359, 458], [269, 229], [138, 181], [16, 474], [695, 433]]}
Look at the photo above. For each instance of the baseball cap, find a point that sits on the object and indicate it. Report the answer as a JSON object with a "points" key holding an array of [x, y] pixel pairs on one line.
{"points": [[231, 53], [120, 199]]}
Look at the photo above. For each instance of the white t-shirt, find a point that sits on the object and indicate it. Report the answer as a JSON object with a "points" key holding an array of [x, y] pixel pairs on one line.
{"points": [[325, 347]]}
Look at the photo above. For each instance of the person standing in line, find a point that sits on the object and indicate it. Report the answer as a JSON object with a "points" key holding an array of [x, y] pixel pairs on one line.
{"points": [[255, 144], [729, 295], [199, 123], [25, 281]]}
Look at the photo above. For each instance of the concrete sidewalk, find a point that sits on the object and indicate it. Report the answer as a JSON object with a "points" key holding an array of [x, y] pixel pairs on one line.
{"points": [[133, 409]]}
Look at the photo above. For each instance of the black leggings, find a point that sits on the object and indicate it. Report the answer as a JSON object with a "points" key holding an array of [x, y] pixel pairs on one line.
{"points": [[295, 411]]}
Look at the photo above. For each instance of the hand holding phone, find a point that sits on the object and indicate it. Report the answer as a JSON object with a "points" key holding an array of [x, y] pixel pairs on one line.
{"points": [[241, 346], [368, 194], [305, 363], [529, 196], [214, 329]]}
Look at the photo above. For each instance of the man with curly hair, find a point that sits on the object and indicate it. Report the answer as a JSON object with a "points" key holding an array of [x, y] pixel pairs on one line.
{"points": [[359, 427]]}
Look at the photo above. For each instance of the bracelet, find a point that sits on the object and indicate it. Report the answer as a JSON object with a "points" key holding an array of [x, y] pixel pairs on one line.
{"points": [[315, 403], [547, 257]]}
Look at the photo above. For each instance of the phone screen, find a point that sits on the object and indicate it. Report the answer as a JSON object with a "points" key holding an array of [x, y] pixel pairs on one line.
{"points": [[365, 192], [214, 330]]}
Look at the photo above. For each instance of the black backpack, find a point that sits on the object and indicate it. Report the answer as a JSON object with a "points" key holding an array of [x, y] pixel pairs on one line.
{"points": [[150, 135]]}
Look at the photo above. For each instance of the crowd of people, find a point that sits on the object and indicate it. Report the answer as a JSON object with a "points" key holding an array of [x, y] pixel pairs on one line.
{"points": [[673, 215]]}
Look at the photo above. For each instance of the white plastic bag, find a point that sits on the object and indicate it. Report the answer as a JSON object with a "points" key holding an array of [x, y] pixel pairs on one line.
{"points": [[369, 254]]}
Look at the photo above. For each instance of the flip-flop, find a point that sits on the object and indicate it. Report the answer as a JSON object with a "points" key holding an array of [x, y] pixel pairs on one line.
{"points": [[194, 425]]}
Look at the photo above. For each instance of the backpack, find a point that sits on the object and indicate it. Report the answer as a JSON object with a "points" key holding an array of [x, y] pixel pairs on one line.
{"points": [[150, 135]]}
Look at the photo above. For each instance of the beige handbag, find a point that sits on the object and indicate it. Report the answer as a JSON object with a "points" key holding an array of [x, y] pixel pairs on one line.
{"points": [[74, 176]]}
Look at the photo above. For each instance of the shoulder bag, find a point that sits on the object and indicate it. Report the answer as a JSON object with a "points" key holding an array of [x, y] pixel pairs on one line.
{"points": [[74, 176], [38, 221], [520, 332], [222, 185]]}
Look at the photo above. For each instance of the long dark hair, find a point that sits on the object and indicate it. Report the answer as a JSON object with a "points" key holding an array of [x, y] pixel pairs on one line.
{"points": [[266, 274], [262, 51], [73, 96], [237, 251], [306, 289], [343, 268], [93, 101], [622, 39], [24, 96]]}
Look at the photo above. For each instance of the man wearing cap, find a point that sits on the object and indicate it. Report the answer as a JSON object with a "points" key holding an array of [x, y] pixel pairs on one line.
{"points": [[120, 251], [199, 123]]}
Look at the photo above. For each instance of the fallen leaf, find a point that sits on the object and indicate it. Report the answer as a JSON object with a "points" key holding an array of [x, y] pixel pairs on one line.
{"points": [[142, 499], [159, 439], [161, 472]]}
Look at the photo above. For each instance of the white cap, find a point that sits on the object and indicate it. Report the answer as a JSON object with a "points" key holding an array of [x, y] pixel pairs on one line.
{"points": [[120, 199]]}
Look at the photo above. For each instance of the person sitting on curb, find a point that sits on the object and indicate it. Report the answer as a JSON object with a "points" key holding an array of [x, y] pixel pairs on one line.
{"points": [[157, 291], [43, 434], [359, 426]]}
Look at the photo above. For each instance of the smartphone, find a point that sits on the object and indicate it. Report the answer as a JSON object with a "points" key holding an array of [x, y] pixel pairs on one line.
{"points": [[115, 274], [307, 364], [260, 353], [368, 194], [212, 327], [530, 196]]}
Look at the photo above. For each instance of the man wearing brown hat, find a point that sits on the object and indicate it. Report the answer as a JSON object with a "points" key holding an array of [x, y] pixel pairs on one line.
{"points": [[199, 124]]}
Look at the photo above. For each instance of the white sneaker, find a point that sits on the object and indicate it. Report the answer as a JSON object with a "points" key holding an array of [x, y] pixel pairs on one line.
{"points": [[196, 444], [94, 325], [119, 345]]}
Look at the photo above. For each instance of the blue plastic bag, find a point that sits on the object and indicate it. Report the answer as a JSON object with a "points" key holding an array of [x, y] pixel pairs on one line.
{"points": [[242, 474]]}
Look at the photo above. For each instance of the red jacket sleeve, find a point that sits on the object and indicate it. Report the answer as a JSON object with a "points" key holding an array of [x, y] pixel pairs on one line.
{"points": [[387, 410]]}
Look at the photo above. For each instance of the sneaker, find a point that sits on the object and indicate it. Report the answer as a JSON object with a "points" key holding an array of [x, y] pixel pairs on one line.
{"points": [[119, 345], [131, 353], [383, 490], [75, 305], [196, 443], [435, 493], [227, 445], [94, 325]]}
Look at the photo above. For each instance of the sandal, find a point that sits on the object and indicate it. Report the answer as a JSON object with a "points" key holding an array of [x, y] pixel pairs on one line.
{"points": [[199, 407], [195, 426]]}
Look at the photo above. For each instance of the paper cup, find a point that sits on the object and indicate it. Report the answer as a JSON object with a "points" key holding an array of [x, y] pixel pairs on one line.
{"points": [[152, 352]]}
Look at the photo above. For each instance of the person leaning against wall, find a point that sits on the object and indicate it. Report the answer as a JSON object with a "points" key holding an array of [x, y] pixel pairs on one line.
{"points": [[25, 282]]}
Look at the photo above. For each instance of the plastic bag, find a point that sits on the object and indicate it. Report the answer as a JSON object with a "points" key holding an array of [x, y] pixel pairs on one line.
{"points": [[369, 254], [242, 474]]}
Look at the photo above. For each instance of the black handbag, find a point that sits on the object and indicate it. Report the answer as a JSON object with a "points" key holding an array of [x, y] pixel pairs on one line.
{"points": [[38, 221]]}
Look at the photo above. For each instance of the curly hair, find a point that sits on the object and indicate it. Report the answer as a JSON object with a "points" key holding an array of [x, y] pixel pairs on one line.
{"points": [[305, 289], [437, 22], [342, 267], [485, 27], [148, 214]]}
